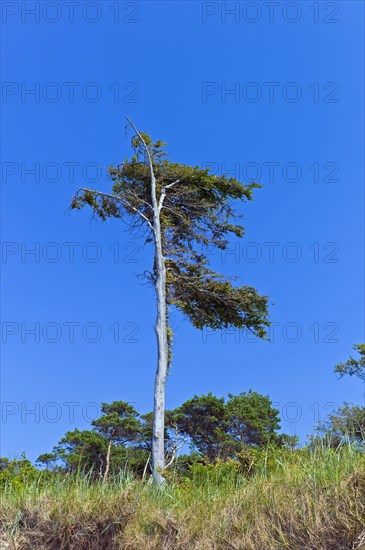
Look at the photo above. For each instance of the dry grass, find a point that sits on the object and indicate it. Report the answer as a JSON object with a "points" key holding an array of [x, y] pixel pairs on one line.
{"points": [[311, 503]]}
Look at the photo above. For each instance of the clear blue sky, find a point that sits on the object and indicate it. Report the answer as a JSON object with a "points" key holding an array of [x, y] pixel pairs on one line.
{"points": [[294, 121]]}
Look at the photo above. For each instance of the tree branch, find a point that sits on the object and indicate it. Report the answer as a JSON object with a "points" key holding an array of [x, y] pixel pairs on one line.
{"points": [[117, 198], [153, 179], [163, 193], [175, 448]]}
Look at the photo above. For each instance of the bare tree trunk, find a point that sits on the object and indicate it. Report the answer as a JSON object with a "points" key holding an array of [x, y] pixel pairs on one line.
{"points": [[158, 433], [158, 425], [158, 443], [107, 466]]}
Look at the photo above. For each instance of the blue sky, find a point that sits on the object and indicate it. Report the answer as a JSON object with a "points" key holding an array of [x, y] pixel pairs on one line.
{"points": [[273, 92]]}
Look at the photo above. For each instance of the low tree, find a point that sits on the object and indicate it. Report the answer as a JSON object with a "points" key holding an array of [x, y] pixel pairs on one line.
{"points": [[183, 210], [252, 420], [82, 451], [346, 425], [219, 429], [119, 425], [204, 420], [47, 460]]}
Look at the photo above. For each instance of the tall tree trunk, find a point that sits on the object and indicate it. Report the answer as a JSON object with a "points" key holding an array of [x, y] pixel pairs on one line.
{"points": [[158, 423], [158, 443], [158, 428]]}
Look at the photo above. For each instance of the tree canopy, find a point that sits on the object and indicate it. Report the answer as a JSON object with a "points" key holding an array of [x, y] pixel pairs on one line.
{"points": [[214, 428], [196, 211], [219, 428]]}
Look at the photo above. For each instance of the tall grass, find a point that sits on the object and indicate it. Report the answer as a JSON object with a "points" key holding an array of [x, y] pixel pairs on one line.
{"points": [[302, 500]]}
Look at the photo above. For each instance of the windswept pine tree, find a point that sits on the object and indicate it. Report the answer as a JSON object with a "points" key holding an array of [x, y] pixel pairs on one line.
{"points": [[184, 209]]}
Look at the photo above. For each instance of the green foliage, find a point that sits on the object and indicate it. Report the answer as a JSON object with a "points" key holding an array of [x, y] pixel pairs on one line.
{"points": [[196, 212], [215, 428], [82, 451], [49, 460], [287, 441], [146, 429], [217, 473], [209, 300], [18, 473], [347, 424], [353, 367], [86, 451], [131, 460], [219, 429], [252, 420], [119, 423], [247, 463], [203, 419]]}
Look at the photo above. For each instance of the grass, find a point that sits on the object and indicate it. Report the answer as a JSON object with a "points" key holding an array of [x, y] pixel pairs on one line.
{"points": [[303, 501]]}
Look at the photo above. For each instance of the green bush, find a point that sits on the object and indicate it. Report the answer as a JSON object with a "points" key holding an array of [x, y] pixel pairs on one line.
{"points": [[19, 473]]}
